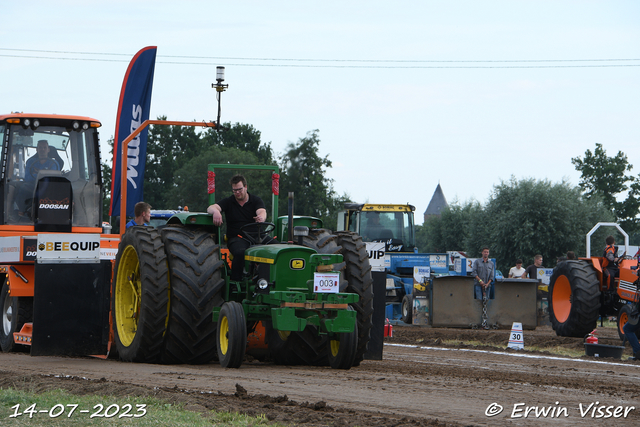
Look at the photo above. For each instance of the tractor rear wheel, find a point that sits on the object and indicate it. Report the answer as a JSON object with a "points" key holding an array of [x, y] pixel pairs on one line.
{"points": [[140, 295], [407, 309], [307, 347], [574, 299], [358, 275], [623, 318], [16, 311], [232, 335], [195, 274]]}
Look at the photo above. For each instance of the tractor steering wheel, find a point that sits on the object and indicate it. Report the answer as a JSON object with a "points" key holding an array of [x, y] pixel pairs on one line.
{"points": [[257, 232]]}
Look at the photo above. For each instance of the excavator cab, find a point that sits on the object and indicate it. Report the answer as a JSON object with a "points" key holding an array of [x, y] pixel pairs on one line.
{"points": [[51, 175]]}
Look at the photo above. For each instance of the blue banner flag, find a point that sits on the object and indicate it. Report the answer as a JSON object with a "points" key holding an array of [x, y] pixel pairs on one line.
{"points": [[133, 110]]}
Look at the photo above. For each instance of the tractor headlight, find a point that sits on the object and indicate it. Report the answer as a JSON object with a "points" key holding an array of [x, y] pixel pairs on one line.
{"points": [[262, 284]]}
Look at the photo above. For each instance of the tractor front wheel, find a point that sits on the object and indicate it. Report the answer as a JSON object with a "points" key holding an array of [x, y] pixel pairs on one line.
{"points": [[407, 309], [623, 318], [574, 299], [16, 311], [140, 295], [232, 335]]}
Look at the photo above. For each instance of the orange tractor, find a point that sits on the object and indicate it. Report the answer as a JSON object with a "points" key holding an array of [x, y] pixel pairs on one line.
{"points": [[52, 191], [579, 293]]}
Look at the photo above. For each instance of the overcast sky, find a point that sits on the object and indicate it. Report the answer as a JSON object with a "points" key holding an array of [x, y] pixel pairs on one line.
{"points": [[404, 94]]}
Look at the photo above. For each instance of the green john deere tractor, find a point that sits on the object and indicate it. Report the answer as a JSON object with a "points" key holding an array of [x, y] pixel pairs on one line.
{"points": [[173, 300]]}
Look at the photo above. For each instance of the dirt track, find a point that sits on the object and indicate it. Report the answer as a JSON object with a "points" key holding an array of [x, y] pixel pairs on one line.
{"points": [[421, 381]]}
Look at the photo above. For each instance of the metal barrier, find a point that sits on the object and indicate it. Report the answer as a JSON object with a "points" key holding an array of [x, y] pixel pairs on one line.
{"points": [[453, 304]]}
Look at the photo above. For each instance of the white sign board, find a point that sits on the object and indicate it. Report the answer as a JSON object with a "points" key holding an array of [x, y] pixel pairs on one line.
{"points": [[376, 255], [10, 249], [438, 261], [421, 274], [544, 275], [326, 283], [68, 248]]}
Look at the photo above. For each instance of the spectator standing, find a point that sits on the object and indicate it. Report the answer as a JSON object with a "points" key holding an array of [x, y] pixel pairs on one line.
{"points": [[532, 271], [483, 272]]}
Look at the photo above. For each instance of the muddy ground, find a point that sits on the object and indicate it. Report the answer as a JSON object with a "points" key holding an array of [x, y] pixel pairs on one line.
{"points": [[426, 378]]}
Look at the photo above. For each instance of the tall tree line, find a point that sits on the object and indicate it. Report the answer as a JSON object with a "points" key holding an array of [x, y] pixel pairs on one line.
{"points": [[526, 217], [178, 159]]}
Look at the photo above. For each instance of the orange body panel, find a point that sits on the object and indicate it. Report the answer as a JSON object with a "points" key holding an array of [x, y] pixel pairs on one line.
{"points": [[24, 336], [257, 339], [17, 286]]}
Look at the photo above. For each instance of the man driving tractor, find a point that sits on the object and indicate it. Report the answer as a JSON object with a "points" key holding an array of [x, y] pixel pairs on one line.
{"points": [[240, 209]]}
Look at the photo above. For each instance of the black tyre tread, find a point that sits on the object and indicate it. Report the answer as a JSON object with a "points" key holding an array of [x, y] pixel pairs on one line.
{"points": [[24, 315], [585, 294], [346, 355], [195, 275], [407, 300], [301, 348], [358, 275], [237, 335], [148, 343]]}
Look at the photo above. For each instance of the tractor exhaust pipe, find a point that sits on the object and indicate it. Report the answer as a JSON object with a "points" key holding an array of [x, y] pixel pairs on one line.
{"points": [[290, 218]]}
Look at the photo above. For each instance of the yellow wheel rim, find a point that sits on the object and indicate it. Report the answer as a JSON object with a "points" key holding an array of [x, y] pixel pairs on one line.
{"points": [[224, 335], [284, 335], [335, 347], [128, 296]]}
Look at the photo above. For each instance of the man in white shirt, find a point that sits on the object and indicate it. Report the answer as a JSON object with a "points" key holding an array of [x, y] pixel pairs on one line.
{"points": [[517, 271]]}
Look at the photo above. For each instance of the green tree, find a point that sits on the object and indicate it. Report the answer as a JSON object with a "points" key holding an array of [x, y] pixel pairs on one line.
{"points": [[105, 170], [521, 219], [303, 172], [168, 149], [458, 228], [244, 137], [530, 217], [606, 178], [190, 181]]}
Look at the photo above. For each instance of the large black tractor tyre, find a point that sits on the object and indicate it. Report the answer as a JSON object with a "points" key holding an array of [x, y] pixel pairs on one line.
{"points": [[623, 317], [574, 299], [308, 347], [297, 348], [195, 274], [140, 295], [359, 280], [407, 309], [231, 335], [16, 311]]}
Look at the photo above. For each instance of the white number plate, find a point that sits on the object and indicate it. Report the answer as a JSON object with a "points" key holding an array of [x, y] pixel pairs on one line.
{"points": [[328, 283]]}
